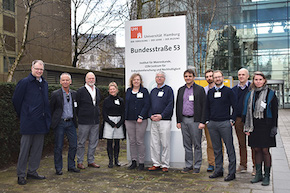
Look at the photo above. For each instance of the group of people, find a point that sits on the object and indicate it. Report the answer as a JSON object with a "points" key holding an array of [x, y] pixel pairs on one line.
{"points": [[251, 107]]}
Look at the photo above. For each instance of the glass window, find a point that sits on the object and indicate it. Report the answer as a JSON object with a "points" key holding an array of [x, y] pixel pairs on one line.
{"points": [[273, 44], [6, 65], [9, 5], [271, 12]]}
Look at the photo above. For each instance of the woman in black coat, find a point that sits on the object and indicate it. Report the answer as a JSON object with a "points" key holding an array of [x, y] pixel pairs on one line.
{"points": [[260, 115], [114, 116]]}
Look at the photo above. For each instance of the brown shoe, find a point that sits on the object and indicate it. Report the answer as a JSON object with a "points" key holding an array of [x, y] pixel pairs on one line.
{"points": [[94, 165], [164, 169], [154, 168], [81, 166]]}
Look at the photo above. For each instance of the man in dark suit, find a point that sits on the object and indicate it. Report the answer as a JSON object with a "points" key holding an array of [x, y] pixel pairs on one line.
{"points": [[190, 116], [31, 103], [63, 104]]}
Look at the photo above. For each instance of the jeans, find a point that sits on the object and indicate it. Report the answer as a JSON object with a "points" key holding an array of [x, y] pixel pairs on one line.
{"points": [[68, 128]]}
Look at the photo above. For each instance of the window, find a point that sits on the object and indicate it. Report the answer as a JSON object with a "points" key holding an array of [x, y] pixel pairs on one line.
{"points": [[6, 65], [9, 5]]}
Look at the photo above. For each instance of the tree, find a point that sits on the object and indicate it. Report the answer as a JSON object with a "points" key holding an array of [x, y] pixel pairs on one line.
{"points": [[90, 22], [29, 5]]}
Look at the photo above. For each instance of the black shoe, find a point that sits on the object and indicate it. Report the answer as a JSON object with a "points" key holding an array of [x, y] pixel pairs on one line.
{"points": [[58, 172], [111, 165], [216, 175], [36, 177], [117, 163], [74, 170], [21, 181], [133, 165], [230, 177], [141, 167]]}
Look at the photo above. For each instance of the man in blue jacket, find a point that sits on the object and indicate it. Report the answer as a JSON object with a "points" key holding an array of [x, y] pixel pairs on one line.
{"points": [[30, 101], [160, 113], [220, 101], [241, 90]]}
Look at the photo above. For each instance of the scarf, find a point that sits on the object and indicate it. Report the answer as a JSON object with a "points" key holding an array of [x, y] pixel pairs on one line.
{"points": [[259, 109]]}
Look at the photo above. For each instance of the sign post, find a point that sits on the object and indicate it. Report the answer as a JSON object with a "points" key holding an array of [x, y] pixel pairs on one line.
{"points": [[154, 45]]}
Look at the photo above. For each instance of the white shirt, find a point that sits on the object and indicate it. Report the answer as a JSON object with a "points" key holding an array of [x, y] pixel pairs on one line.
{"points": [[92, 92]]}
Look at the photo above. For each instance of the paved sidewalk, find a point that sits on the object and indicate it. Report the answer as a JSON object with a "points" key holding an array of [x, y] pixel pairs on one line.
{"points": [[119, 179], [281, 154]]}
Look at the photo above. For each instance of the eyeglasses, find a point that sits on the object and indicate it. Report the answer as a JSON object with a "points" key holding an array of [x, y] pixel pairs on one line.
{"points": [[67, 98], [217, 77]]}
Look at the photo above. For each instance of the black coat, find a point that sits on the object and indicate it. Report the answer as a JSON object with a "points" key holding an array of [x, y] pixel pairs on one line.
{"points": [[56, 107], [199, 103]]}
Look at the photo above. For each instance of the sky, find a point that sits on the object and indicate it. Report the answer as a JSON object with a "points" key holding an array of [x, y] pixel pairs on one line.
{"points": [[98, 13]]}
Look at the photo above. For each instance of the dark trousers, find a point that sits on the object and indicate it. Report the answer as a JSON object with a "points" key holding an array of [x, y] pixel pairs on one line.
{"points": [[222, 130], [30, 152], [65, 128]]}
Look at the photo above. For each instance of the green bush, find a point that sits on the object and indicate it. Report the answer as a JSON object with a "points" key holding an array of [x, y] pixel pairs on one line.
{"points": [[9, 123]]}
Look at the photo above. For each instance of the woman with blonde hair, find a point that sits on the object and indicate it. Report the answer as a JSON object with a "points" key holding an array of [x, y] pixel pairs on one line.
{"points": [[114, 116], [260, 115], [136, 115]]}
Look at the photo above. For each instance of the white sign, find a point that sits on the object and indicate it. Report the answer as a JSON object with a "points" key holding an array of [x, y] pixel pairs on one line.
{"points": [[154, 45]]}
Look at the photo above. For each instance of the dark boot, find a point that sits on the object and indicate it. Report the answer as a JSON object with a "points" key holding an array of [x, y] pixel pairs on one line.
{"points": [[266, 179], [141, 167], [110, 155], [133, 165], [116, 154], [258, 176]]}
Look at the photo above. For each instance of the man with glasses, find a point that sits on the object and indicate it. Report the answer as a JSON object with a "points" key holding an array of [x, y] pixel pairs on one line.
{"points": [[63, 110], [88, 99], [31, 103], [160, 113], [190, 117], [220, 120]]}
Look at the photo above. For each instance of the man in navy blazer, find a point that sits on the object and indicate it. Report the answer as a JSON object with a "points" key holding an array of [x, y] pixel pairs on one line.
{"points": [[30, 101], [64, 122]]}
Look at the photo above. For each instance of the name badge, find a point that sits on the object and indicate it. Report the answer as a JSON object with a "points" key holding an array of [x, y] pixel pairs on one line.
{"points": [[117, 102], [191, 98], [217, 94], [75, 104], [160, 93], [139, 95], [263, 104]]}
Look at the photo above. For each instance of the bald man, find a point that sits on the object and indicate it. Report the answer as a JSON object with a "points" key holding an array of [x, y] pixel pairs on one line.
{"points": [[240, 90], [88, 100]]}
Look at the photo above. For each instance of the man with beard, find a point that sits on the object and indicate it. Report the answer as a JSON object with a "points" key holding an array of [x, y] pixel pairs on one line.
{"points": [[220, 120], [88, 100]]}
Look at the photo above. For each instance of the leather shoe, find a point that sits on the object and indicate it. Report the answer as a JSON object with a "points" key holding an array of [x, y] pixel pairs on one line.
{"points": [[36, 177], [94, 165], [74, 170], [81, 166], [58, 172], [230, 177], [216, 175], [21, 181], [154, 168]]}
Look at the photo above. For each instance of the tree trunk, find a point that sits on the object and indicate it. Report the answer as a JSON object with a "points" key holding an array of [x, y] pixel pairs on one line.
{"points": [[24, 41]]}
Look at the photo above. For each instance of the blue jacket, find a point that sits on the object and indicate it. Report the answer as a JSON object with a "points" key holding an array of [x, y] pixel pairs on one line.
{"points": [[137, 107], [240, 96], [30, 101], [162, 104]]}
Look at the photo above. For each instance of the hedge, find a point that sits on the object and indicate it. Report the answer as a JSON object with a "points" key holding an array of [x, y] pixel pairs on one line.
{"points": [[9, 123]]}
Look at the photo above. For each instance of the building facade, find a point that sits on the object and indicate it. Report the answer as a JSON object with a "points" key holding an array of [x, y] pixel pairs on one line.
{"points": [[230, 34], [49, 34]]}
